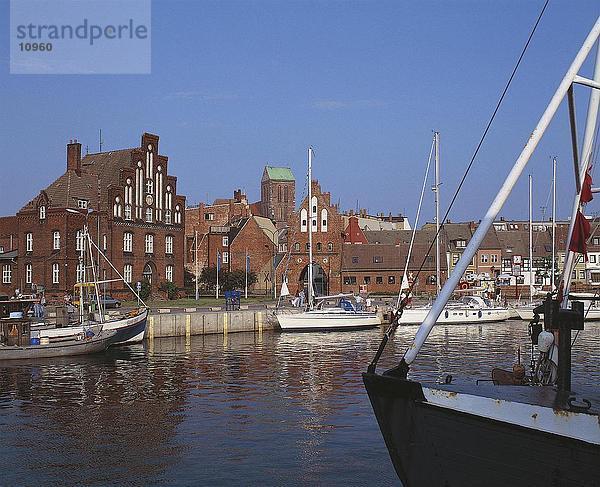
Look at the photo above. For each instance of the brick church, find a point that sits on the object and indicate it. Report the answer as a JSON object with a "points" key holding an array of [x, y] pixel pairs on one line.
{"points": [[130, 203]]}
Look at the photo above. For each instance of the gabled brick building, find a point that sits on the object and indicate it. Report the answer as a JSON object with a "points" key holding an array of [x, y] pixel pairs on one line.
{"points": [[328, 230], [133, 212]]}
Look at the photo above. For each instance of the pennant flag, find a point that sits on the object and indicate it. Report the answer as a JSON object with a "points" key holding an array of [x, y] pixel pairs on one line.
{"points": [[247, 263], [581, 233], [405, 284], [586, 188], [218, 261], [284, 290]]}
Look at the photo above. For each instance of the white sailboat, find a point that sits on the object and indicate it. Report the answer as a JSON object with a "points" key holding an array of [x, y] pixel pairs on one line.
{"points": [[346, 315], [469, 309]]}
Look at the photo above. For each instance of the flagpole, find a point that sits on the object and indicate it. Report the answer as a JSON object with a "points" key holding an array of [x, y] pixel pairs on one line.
{"points": [[246, 266], [218, 268]]}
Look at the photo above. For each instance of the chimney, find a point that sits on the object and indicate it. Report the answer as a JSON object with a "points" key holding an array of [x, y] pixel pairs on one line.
{"points": [[74, 156]]}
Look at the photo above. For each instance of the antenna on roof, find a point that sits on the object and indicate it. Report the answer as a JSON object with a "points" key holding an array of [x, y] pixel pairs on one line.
{"points": [[100, 141]]}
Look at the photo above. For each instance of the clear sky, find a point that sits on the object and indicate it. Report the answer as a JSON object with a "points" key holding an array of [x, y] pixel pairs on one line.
{"points": [[236, 85]]}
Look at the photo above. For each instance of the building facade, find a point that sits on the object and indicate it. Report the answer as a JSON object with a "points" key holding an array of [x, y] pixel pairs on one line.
{"points": [[129, 203], [277, 194]]}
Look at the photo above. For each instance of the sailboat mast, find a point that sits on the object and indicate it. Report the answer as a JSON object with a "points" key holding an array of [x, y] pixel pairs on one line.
{"points": [[501, 197], [438, 281], [553, 222], [310, 225], [530, 241]]}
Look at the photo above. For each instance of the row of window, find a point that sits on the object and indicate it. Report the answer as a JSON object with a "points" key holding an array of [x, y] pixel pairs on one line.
{"points": [[319, 247], [149, 216], [148, 243], [127, 242], [350, 280], [127, 273]]}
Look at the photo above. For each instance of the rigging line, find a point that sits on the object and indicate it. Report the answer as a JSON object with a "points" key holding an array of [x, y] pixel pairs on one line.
{"points": [[485, 132], [412, 238]]}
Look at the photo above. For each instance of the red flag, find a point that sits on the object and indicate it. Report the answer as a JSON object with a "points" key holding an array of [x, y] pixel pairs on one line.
{"points": [[581, 233], [586, 188]]}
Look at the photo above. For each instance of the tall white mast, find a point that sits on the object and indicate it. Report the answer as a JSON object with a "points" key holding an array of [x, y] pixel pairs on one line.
{"points": [[530, 241], [501, 197], [310, 225], [553, 222], [436, 189]]}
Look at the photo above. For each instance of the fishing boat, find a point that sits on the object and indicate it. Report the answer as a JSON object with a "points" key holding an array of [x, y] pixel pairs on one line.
{"points": [[128, 327], [344, 316], [468, 309], [517, 429], [18, 342]]}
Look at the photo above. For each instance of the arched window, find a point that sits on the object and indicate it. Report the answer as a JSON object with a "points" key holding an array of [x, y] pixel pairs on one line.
{"points": [[117, 208], [42, 212], [177, 214], [330, 247], [324, 220], [303, 220]]}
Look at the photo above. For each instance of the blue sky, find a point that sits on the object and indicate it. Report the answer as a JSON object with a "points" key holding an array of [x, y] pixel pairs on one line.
{"points": [[238, 85]]}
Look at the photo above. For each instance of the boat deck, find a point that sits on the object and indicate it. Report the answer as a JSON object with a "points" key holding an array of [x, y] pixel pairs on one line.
{"points": [[534, 395]]}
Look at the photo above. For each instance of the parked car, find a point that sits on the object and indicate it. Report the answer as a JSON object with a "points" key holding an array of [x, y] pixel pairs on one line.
{"points": [[108, 301]]}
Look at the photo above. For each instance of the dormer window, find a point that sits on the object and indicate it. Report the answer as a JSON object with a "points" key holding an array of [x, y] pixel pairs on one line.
{"points": [[42, 212], [83, 204]]}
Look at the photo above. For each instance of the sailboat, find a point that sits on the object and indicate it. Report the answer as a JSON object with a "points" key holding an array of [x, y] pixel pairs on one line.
{"points": [[346, 315], [469, 309], [518, 430], [128, 328]]}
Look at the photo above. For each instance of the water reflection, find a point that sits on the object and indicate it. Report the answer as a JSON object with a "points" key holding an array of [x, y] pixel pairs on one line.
{"points": [[269, 408]]}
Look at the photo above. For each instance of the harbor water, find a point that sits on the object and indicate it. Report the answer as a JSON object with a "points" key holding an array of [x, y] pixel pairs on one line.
{"points": [[264, 408]]}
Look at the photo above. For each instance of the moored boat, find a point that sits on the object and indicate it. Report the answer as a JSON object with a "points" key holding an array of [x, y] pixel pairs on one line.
{"points": [[521, 430]]}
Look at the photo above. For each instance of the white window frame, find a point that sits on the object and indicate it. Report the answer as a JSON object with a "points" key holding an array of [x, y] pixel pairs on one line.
{"points": [[29, 242], [80, 272], [28, 273], [79, 244], [127, 214], [169, 244], [225, 259], [128, 272], [56, 240], [56, 273], [82, 204], [149, 243], [127, 242], [225, 241], [6, 274], [42, 212], [149, 215], [169, 273]]}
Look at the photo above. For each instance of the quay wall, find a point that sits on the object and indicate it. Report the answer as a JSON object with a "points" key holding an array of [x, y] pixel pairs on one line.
{"points": [[165, 323]]}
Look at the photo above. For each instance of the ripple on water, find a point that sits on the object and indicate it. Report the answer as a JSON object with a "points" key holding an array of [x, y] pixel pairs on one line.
{"points": [[270, 409]]}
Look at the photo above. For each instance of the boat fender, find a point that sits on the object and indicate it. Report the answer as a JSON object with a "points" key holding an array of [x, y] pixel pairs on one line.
{"points": [[479, 314], [448, 379], [545, 341]]}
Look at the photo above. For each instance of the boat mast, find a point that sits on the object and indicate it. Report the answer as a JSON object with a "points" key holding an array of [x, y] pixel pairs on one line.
{"points": [[500, 198], [530, 241], [586, 157], [310, 224], [553, 222], [436, 190]]}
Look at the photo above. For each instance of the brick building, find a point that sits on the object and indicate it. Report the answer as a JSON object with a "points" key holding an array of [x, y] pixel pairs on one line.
{"points": [[277, 194], [328, 230], [210, 223], [133, 212]]}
